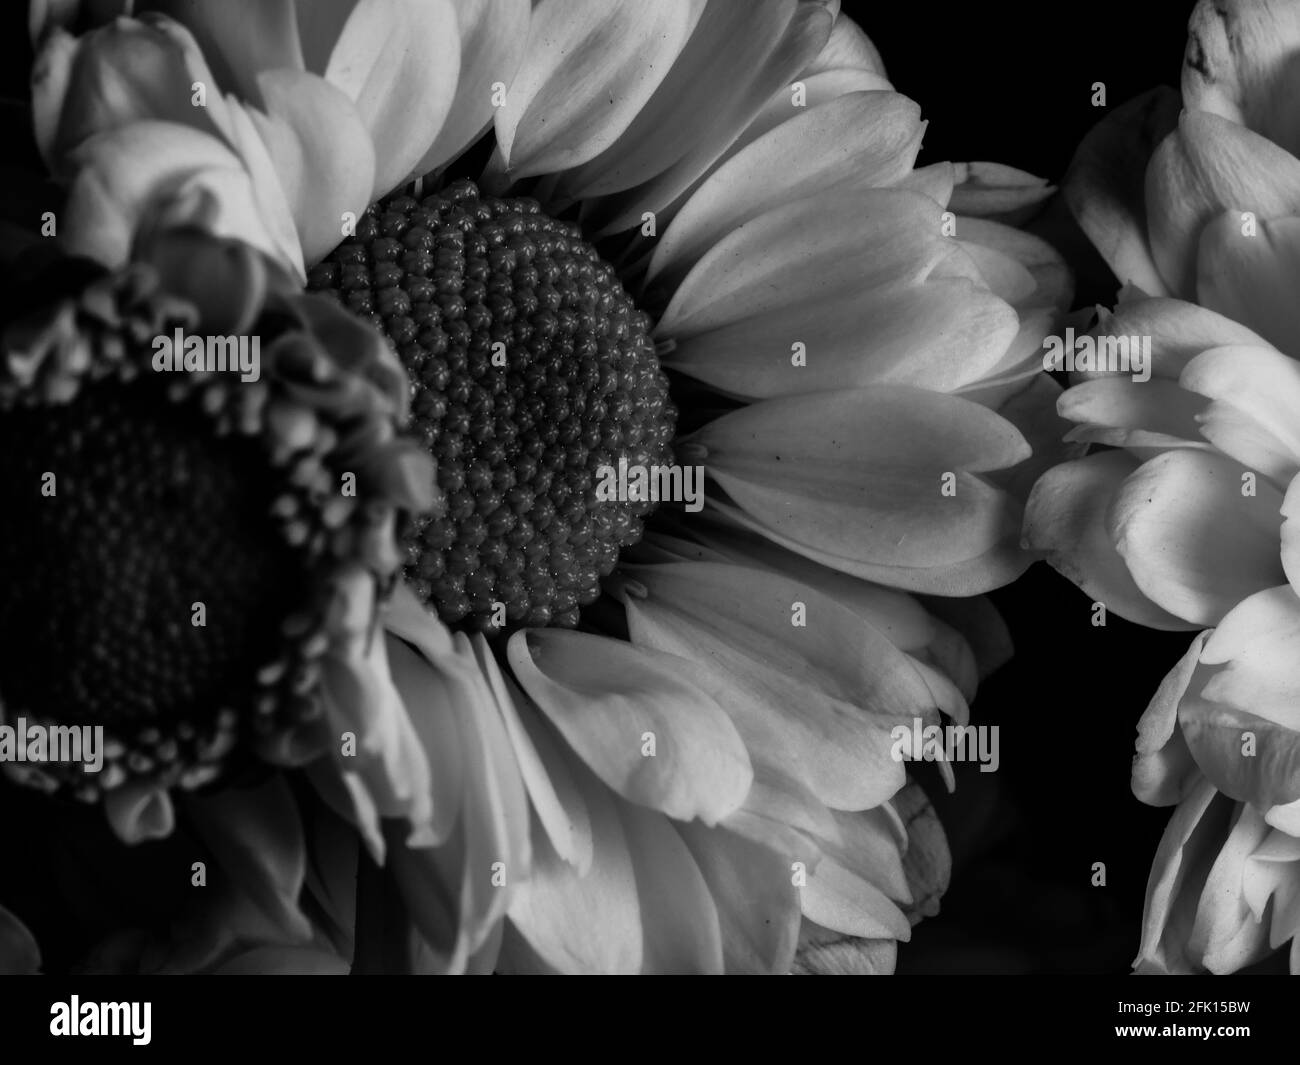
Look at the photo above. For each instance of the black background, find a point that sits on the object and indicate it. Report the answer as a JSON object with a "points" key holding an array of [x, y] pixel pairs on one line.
{"points": [[1012, 82]]}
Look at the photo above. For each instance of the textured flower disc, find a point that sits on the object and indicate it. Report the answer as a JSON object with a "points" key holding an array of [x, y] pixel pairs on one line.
{"points": [[532, 369], [174, 547], [151, 525]]}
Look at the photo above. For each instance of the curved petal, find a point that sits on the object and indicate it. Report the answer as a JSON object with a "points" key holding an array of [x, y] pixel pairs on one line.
{"points": [[736, 58], [1066, 519], [322, 154], [1249, 271], [858, 140], [398, 61], [1240, 64], [1163, 768], [19, 954], [1104, 187], [1208, 166], [492, 37], [1195, 543], [584, 923], [997, 192], [860, 474], [650, 735], [753, 890], [1255, 393], [588, 70]]}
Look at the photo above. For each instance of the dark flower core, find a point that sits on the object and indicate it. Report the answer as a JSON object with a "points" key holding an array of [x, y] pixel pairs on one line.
{"points": [[532, 375], [147, 518]]}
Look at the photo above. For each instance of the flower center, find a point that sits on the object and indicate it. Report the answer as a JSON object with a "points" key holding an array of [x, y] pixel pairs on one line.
{"points": [[532, 376], [143, 579]]}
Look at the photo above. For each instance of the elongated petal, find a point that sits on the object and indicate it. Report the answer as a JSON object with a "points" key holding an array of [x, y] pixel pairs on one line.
{"points": [[839, 899], [821, 718], [492, 36], [1187, 850], [1195, 543], [995, 191], [611, 701], [1179, 331], [1225, 934], [784, 257], [1163, 769], [1209, 166], [322, 152], [1066, 519], [735, 60], [1251, 276], [1251, 418], [1104, 185], [398, 61], [588, 70], [753, 890], [1240, 64], [591, 923], [858, 475], [855, 141], [679, 922]]}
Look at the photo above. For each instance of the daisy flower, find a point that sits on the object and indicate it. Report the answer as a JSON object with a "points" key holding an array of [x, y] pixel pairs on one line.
{"points": [[1185, 520], [732, 408], [194, 561]]}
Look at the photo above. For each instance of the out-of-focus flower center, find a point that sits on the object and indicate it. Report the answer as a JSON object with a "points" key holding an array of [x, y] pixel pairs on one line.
{"points": [[143, 578], [532, 376]]}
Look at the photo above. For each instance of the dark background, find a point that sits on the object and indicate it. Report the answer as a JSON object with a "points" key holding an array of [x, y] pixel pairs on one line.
{"points": [[1012, 82]]}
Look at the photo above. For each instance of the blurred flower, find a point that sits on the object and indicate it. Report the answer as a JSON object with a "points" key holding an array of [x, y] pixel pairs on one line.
{"points": [[659, 735], [1188, 520], [184, 567]]}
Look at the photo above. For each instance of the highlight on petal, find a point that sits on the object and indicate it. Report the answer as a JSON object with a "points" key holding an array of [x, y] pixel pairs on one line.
{"points": [[998, 192], [609, 700], [19, 953], [858, 140], [1248, 270], [322, 152], [1210, 165], [583, 923], [1163, 768], [857, 477], [139, 812], [1195, 544], [398, 61], [492, 36], [1065, 519], [1251, 418], [738, 56], [587, 72]]}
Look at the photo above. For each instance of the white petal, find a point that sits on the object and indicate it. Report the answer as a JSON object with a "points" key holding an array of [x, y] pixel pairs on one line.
{"points": [[588, 70], [1194, 543], [605, 696], [1066, 519], [398, 61], [1252, 277]]}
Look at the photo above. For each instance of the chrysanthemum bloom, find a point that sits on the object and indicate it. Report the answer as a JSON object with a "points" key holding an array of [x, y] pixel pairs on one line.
{"points": [[193, 552], [658, 719], [1188, 522]]}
